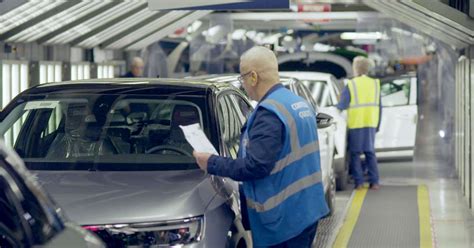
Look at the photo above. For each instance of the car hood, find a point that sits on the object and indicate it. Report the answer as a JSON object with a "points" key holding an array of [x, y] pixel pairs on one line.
{"points": [[92, 197]]}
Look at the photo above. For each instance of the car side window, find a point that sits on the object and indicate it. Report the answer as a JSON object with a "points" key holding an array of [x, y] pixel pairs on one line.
{"points": [[230, 121], [320, 91], [308, 97], [12, 233], [395, 92]]}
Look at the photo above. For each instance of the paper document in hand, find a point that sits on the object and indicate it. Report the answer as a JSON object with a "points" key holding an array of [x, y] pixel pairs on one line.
{"points": [[197, 139]]}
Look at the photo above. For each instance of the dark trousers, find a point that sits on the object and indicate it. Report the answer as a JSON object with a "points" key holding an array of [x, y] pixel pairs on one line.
{"points": [[370, 162], [303, 240]]}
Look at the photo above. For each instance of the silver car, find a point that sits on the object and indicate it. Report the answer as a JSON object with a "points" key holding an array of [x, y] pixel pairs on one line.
{"points": [[28, 217], [112, 153]]}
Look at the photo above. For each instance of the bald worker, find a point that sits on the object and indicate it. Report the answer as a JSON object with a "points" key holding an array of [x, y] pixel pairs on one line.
{"points": [[278, 162], [136, 68]]}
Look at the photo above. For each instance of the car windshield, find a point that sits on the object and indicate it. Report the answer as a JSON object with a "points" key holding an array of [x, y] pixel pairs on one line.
{"points": [[104, 132]]}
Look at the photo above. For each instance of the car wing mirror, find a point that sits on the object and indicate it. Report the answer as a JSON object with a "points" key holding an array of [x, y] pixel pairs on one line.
{"points": [[324, 120]]}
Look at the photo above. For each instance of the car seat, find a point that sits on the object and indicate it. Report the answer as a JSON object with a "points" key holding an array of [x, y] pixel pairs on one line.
{"points": [[82, 135], [181, 115]]}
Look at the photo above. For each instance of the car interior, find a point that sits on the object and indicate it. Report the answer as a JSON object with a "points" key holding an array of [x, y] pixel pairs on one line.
{"points": [[131, 126]]}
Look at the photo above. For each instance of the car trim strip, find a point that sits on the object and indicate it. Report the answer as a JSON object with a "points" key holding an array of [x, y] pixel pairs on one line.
{"points": [[289, 191], [295, 155]]}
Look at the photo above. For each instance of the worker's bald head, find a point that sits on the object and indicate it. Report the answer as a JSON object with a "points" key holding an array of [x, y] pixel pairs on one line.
{"points": [[263, 61]]}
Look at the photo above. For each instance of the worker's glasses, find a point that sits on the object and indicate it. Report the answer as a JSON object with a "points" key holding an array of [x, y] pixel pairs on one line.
{"points": [[241, 77]]}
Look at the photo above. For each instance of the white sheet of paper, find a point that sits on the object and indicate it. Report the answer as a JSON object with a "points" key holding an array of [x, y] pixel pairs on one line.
{"points": [[197, 139]]}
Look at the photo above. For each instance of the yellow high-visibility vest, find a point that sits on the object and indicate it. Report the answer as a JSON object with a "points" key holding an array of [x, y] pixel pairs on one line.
{"points": [[365, 102]]}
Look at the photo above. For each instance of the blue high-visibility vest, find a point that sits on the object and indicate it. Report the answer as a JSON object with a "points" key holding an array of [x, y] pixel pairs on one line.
{"points": [[283, 204]]}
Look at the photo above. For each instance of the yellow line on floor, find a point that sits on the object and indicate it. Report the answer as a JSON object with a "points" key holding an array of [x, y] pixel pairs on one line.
{"points": [[426, 240], [347, 228]]}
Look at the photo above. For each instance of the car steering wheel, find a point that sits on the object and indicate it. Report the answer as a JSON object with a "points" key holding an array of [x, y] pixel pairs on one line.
{"points": [[168, 148]]}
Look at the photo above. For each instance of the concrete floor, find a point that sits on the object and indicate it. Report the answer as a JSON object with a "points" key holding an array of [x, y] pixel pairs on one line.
{"points": [[433, 165]]}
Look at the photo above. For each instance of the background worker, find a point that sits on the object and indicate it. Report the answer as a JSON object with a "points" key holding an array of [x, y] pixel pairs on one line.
{"points": [[361, 98], [136, 68], [278, 162]]}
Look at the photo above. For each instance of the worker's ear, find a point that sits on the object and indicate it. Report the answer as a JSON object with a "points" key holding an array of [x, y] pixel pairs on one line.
{"points": [[253, 78]]}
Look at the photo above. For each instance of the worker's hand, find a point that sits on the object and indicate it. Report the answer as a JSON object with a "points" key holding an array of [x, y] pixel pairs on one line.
{"points": [[201, 159]]}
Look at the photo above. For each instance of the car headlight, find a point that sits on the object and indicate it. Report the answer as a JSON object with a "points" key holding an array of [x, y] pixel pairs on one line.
{"points": [[174, 233]]}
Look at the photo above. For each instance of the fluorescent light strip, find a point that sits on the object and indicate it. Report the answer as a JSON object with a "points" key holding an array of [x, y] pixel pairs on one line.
{"points": [[169, 29], [148, 29], [117, 28], [25, 13], [57, 21], [95, 22], [363, 36]]}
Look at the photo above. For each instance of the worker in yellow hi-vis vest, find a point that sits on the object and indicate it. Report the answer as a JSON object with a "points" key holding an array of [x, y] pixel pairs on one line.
{"points": [[361, 98]]}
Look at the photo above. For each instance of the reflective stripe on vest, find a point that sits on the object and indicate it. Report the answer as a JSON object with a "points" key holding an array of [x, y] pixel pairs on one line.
{"points": [[296, 153], [364, 106], [292, 189]]}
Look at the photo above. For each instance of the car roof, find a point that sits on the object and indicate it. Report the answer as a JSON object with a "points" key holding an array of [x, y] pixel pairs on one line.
{"points": [[307, 75], [232, 78], [130, 86]]}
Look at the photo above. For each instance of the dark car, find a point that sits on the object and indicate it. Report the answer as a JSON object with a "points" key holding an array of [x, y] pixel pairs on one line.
{"points": [[112, 153], [28, 217]]}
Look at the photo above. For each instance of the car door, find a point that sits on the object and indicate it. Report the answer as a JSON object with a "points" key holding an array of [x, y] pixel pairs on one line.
{"points": [[13, 229], [397, 133], [325, 135]]}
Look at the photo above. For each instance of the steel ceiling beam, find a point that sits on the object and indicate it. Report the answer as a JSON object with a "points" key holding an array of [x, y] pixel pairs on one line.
{"points": [[107, 25], [65, 28], [445, 14], [154, 31], [163, 32], [417, 22], [52, 12], [132, 28], [281, 16]]}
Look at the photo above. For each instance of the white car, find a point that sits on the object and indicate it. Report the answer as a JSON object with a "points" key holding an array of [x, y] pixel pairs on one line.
{"points": [[326, 129], [397, 133], [325, 88]]}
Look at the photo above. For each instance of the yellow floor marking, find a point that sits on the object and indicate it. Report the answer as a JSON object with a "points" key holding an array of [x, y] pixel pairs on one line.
{"points": [[345, 233], [426, 240]]}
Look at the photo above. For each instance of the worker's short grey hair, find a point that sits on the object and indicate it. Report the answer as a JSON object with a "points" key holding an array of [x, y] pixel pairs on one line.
{"points": [[137, 61], [361, 65]]}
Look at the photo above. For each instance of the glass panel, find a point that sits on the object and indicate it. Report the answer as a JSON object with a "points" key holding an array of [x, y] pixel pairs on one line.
{"points": [[6, 79], [58, 76], [75, 72], [395, 92], [113, 132]]}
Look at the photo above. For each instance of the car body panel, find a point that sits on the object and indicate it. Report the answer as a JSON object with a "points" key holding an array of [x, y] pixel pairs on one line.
{"points": [[89, 196], [397, 133], [333, 91]]}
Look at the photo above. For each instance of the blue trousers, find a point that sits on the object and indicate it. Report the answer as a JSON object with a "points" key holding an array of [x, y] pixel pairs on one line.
{"points": [[356, 168], [303, 240]]}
